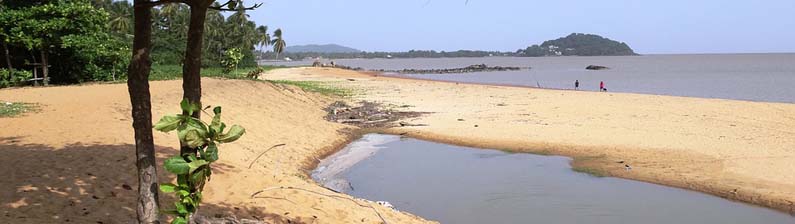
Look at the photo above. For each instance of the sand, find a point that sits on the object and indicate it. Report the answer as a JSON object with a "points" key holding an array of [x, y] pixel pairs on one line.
{"points": [[74, 160], [735, 149]]}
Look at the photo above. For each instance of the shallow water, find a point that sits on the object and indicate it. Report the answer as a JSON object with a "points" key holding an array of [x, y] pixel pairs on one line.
{"points": [[454, 184], [756, 77]]}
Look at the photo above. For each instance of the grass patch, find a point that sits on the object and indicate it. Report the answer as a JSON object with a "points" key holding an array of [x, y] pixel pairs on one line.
{"points": [[590, 171], [13, 109], [317, 86], [171, 72]]}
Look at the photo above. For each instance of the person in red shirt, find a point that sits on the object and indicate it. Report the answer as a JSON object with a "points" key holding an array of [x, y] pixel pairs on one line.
{"points": [[601, 86]]}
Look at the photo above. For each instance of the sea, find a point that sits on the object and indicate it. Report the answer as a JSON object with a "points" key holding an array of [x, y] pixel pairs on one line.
{"points": [[751, 77]]}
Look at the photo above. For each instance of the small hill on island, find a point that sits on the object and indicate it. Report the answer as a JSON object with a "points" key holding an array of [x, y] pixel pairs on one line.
{"points": [[578, 44], [321, 48]]}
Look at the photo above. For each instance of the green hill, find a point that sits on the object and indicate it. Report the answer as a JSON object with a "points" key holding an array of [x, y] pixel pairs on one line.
{"points": [[578, 44], [324, 48]]}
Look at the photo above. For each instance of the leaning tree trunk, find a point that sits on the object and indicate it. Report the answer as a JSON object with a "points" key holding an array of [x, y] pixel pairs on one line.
{"points": [[191, 69], [44, 69], [8, 57], [138, 86]]}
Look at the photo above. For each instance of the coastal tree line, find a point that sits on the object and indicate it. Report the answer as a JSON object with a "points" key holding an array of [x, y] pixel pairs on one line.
{"points": [[407, 54], [74, 41]]}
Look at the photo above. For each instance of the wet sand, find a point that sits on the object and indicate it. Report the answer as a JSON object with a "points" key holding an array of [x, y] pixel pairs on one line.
{"points": [[734, 149]]}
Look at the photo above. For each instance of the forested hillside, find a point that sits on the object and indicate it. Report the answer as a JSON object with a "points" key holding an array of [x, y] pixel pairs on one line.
{"points": [[578, 44]]}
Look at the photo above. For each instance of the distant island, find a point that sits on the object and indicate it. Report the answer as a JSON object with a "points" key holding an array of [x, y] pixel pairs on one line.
{"points": [[575, 44], [320, 48], [578, 44]]}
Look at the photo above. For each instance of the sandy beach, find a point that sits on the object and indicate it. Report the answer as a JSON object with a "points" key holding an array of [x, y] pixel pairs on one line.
{"points": [[73, 161], [739, 150]]}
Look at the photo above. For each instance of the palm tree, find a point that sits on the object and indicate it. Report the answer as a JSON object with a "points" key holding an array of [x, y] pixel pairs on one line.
{"points": [[264, 39], [120, 17], [278, 44]]}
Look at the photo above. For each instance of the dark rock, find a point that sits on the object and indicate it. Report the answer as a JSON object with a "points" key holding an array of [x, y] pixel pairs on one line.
{"points": [[596, 67]]}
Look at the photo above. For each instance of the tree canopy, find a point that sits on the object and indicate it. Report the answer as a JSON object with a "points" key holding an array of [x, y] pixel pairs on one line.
{"points": [[580, 45], [71, 36], [90, 40]]}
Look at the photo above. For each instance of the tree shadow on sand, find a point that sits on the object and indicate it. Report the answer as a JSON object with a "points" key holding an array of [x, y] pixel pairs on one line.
{"points": [[83, 183]]}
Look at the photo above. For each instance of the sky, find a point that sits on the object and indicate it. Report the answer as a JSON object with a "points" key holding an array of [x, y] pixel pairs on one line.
{"points": [[649, 27]]}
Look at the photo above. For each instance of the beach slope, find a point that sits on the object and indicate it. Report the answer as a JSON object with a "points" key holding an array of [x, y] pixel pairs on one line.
{"points": [[735, 149]]}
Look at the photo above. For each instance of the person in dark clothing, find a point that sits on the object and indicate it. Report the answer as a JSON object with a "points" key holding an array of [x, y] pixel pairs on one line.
{"points": [[576, 84]]}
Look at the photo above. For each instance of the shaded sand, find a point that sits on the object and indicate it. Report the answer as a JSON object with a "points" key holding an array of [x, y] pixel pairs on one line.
{"points": [[74, 160], [735, 149]]}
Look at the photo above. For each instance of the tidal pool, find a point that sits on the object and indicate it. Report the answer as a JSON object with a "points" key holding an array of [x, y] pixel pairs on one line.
{"points": [[454, 184]]}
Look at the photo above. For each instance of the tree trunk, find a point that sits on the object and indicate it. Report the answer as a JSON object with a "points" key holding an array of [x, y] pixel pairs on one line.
{"points": [[191, 68], [138, 87], [44, 69], [35, 69], [8, 57]]}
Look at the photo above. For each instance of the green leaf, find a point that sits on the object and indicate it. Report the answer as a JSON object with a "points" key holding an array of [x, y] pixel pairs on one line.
{"points": [[188, 201], [211, 154], [194, 139], [177, 165], [191, 123], [179, 220], [182, 181], [189, 107], [183, 193], [198, 178], [168, 123], [196, 164], [234, 133], [181, 208], [167, 188], [216, 126]]}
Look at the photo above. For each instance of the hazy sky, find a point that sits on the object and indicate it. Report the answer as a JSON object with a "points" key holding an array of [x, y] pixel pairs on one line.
{"points": [[649, 26]]}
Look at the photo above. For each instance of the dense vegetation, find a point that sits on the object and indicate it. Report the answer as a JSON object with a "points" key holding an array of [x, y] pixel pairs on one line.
{"points": [[70, 40], [90, 40], [578, 44]]}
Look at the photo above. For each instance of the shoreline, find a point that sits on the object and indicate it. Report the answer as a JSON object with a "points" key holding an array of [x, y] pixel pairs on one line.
{"points": [[397, 76], [711, 150], [680, 173]]}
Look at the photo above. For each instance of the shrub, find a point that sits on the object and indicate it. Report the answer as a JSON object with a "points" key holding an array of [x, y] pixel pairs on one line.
{"points": [[193, 168], [15, 78]]}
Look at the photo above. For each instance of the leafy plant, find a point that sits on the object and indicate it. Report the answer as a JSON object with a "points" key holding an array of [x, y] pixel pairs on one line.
{"points": [[14, 78], [232, 58], [193, 169]]}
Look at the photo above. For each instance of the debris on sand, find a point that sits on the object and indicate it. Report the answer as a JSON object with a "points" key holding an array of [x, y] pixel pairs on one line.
{"points": [[367, 115]]}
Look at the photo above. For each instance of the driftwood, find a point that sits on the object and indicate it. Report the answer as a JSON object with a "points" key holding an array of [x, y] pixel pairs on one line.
{"points": [[253, 195], [263, 153], [367, 115]]}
